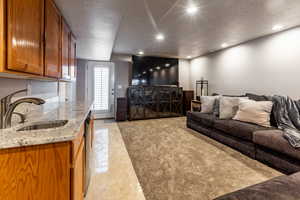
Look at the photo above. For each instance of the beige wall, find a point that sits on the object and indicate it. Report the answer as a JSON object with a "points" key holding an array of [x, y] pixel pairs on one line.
{"points": [[184, 74], [123, 73], [270, 65]]}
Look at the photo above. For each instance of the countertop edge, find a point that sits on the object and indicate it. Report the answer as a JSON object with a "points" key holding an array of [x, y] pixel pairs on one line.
{"points": [[36, 141]]}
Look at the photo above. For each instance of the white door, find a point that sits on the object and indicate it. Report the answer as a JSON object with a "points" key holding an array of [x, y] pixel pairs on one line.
{"points": [[103, 88]]}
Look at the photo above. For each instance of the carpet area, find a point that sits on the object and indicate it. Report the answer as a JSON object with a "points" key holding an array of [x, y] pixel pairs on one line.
{"points": [[173, 162]]}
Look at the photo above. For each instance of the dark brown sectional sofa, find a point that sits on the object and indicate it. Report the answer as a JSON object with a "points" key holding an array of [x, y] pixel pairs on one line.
{"points": [[263, 144]]}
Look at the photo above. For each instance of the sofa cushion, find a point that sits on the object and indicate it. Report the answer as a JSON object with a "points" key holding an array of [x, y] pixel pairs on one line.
{"points": [[238, 129], [257, 112], [256, 97], [203, 119], [279, 188], [273, 139], [207, 103], [228, 106]]}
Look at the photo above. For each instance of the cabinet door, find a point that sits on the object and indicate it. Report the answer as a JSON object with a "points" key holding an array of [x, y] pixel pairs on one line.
{"points": [[52, 40], [65, 50], [78, 175], [25, 23], [40, 172], [73, 57]]}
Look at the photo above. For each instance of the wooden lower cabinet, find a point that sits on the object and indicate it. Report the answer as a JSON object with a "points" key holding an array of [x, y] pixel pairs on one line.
{"points": [[43, 172], [35, 173], [78, 175]]}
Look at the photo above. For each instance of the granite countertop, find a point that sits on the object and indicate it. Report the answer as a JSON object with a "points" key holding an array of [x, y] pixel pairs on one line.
{"points": [[74, 111]]}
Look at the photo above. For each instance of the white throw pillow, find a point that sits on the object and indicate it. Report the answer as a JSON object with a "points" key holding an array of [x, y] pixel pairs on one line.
{"points": [[207, 103], [229, 106], [257, 112]]}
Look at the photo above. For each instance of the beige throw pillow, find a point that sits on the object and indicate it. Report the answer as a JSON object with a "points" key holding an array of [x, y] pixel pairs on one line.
{"points": [[229, 106], [257, 112], [207, 103]]}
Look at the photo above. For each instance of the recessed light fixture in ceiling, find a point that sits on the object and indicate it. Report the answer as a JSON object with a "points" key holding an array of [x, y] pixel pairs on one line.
{"points": [[167, 64], [160, 37], [151, 70], [189, 57], [158, 67], [224, 45], [277, 27], [141, 53], [144, 72], [192, 9]]}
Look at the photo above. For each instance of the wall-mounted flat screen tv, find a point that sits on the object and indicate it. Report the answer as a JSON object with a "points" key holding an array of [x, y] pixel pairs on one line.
{"points": [[151, 71]]}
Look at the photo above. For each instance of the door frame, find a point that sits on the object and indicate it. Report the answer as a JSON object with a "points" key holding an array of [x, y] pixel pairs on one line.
{"points": [[111, 66]]}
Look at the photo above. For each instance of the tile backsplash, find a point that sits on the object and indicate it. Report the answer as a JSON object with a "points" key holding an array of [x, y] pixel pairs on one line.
{"points": [[44, 89]]}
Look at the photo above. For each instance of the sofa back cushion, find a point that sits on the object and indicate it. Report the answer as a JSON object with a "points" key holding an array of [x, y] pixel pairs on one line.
{"points": [[229, 106], [207, 103], [257, 112]]}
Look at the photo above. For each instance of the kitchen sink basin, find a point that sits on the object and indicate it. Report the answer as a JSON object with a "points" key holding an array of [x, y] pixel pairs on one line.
{"points": [[44, 125]]}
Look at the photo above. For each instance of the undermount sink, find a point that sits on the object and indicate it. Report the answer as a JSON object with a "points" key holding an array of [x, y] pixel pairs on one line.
{"points": [[44, 125]]}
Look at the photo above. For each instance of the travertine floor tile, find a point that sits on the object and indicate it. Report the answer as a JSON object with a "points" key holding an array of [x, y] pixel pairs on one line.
{"points": [[113, 177]]}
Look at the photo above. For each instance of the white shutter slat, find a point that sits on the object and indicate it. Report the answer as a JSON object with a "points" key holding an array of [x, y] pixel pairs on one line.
{"points": [[101, 75]]}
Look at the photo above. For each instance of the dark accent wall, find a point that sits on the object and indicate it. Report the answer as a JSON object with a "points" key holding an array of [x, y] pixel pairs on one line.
{"points": [[165, 76], [149, 70]]}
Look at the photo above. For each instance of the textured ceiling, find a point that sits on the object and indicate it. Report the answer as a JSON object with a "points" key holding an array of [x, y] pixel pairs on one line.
{"points": [[127, 26], [95, 24]]}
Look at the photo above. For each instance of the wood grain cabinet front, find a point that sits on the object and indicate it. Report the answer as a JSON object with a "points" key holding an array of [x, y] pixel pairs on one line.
{"points": [[52, 40], [25, 36], [36, 42], [44, 172], [65, 47], [36, 172], [72, 57], [78, 174]]}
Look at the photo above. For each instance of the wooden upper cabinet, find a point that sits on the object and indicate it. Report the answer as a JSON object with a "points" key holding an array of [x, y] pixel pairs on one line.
{"points": [[65, 47], [25, 36], [52, 40], [72, 57]]}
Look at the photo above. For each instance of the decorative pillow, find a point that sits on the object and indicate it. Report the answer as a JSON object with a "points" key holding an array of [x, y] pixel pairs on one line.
{"points": [[256, 97], [257, 112], [229, 106], [207, 103]]}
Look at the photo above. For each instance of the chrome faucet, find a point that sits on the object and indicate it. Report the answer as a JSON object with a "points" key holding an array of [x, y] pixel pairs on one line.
{"points": [[7, 108]]}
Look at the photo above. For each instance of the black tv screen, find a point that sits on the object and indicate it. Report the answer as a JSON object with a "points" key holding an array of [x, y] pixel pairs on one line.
{"points": [[151, 71]]}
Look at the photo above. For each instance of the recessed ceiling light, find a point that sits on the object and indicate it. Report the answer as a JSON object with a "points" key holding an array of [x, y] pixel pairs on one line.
{"points": [[144, 72], [192, 9], [168, 65], [158, 67], [277, 27], [160, 37], [141, 53], [151, 70], [189, 57], [224, 45]]}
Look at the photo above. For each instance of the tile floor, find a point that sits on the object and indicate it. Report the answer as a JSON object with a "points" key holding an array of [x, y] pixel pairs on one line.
{"points": [[113, 176]]}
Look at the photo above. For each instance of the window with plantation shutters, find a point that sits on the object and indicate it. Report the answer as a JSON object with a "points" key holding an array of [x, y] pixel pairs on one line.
{"points": [[101, 87]]}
